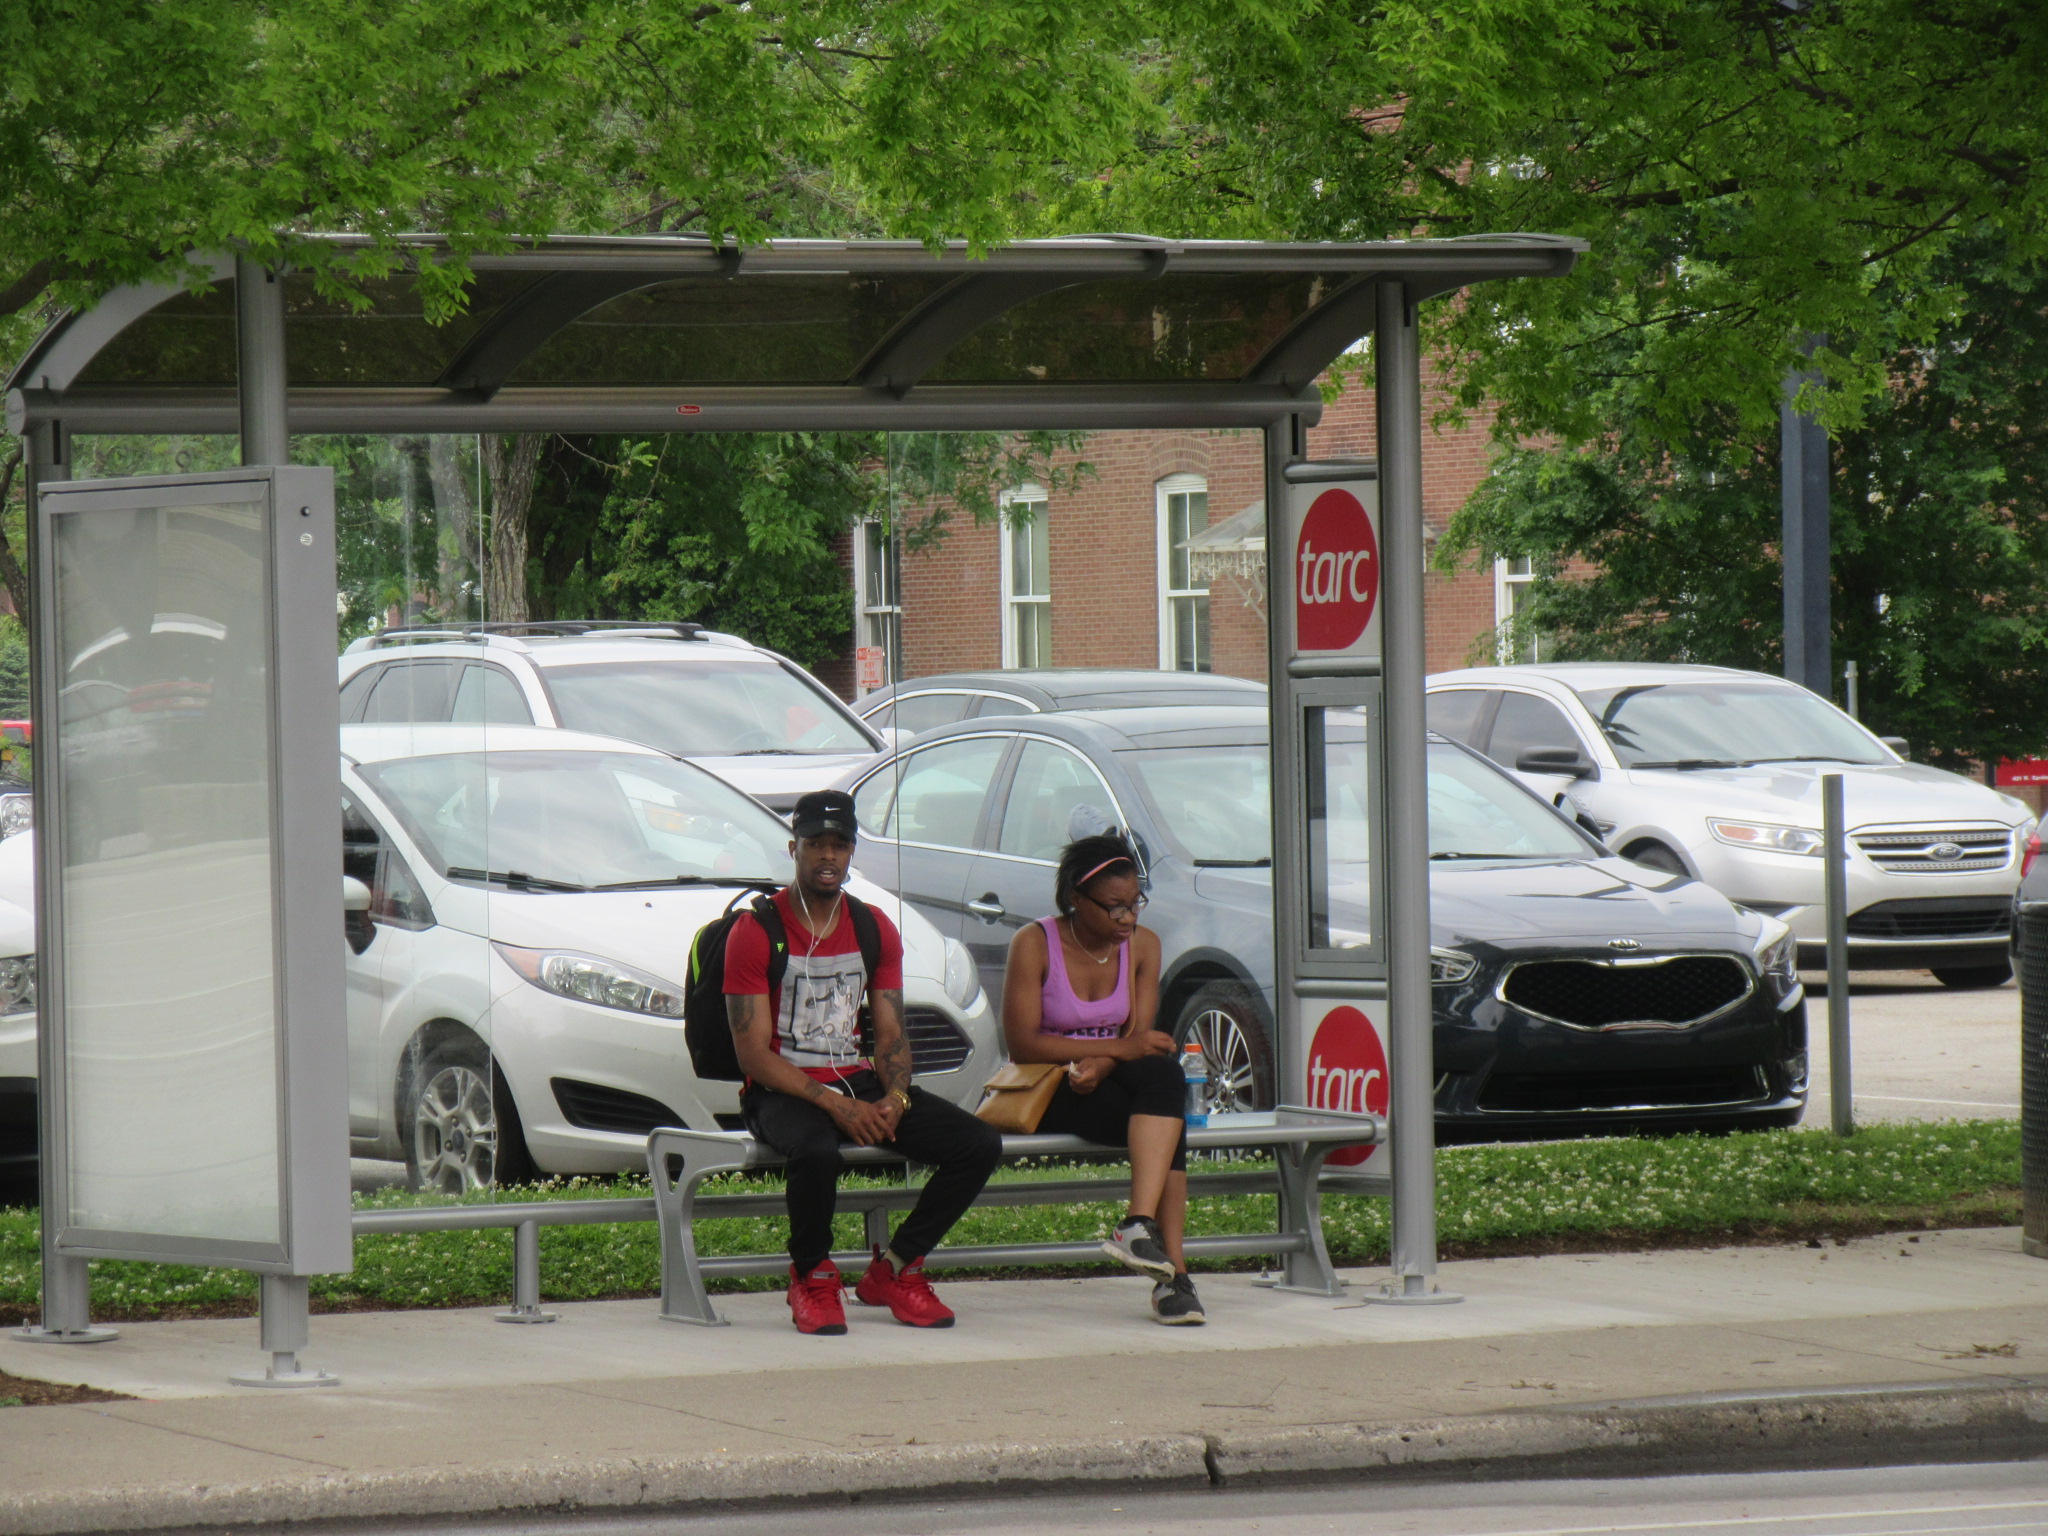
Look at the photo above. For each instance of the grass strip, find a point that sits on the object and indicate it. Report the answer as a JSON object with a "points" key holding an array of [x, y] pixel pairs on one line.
{"points": [[1609, 1193]]}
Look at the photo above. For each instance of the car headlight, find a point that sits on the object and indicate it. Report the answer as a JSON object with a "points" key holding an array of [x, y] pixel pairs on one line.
{"points": [[17, 985], [1447, 965], [588, 979], [963, 978], [17, 814], [1756, 834], [1777, 956]]}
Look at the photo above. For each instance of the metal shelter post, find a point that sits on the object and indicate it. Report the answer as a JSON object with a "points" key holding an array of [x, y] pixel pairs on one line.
{"points": [[1397, 374], [259, 349], [1803, 487], [1841, 1090], [67, 1280]]}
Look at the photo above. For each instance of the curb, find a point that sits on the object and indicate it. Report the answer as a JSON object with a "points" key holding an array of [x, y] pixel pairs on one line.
{"points": [[2005, 1418]]}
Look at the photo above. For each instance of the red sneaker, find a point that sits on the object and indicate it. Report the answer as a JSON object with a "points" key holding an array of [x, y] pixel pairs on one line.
{"points": [[905, 1292], [814, 1300]]}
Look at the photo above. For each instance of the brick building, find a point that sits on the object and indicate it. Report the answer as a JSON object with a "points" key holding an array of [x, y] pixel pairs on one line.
{"points": [[1093, 578]]}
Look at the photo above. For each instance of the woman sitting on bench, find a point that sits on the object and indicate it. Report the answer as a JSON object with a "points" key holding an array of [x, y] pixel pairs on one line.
{"points": [[1082, 988]]}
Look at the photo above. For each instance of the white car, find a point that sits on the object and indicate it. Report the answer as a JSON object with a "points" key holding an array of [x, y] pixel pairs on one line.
{"points": [[515, 986], [752, 717], [521, 905], [18, 1148], [1716, 773]]}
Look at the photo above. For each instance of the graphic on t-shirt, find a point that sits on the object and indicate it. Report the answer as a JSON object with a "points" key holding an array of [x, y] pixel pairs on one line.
{"points": [[819, 1018]]}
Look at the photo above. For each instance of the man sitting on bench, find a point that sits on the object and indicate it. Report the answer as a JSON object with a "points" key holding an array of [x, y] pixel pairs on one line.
{"points": [[807, 1087]]}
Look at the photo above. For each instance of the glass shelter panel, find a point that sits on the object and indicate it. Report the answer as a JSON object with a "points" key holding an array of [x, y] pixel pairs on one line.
{"points": [[163, 690], [1338, 802]]}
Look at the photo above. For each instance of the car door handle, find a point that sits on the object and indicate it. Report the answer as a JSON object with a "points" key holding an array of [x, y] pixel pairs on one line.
{"points": [[988, 909]]}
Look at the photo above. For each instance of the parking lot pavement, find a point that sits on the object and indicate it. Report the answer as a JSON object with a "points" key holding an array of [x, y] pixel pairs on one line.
{"points": [[1920, 1051]]}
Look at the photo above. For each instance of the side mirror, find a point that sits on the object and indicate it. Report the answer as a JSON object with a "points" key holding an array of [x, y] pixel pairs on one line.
{"points": [[1898, 744], [356, 925], [355, 896], [1568, 761]]}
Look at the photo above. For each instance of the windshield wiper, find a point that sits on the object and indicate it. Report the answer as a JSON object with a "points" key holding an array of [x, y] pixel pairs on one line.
{"points": [[1463, 855], [511, 877], [768, 752], [663, 882], [1863, 762], [1265, 863], [1695, 762]]}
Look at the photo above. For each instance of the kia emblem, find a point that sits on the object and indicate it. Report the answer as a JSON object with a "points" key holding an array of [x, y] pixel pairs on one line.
{"points": [[1623, 944]]}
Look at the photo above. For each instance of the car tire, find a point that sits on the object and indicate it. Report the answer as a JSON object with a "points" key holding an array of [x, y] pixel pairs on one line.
{"points": [[1654, 855], [1225, 1017], [1968, 978], [459, 1124]]}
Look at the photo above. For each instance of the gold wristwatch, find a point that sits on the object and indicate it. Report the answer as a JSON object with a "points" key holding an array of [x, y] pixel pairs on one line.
{"points": [[902, 1099]]}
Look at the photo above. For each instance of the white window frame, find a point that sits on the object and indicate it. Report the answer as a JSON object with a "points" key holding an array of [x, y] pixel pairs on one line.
{"points": [[1507, 582], [1162, 493], [865, 615], [1027, 494]]}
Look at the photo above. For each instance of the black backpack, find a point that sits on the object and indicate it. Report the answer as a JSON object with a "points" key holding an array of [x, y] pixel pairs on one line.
{"points": [[706, 1028]]}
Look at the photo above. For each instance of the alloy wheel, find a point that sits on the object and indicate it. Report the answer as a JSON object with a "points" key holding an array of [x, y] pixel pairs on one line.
{"points": [[455, 1132], [1233, 1077]]}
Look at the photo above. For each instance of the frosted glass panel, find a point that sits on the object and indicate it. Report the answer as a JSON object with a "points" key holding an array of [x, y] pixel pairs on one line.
{"points": [[163, 693]]}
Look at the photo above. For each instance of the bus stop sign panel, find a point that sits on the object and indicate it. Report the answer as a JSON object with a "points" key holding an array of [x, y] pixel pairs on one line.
{"points": [[1336, 546]]}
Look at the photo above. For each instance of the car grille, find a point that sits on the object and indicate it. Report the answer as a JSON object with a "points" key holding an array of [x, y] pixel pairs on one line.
{"points": [[1667, 993], [589, 1107], [1609, 1092], [1938, 850], [1941, 917], [936, 1044]]}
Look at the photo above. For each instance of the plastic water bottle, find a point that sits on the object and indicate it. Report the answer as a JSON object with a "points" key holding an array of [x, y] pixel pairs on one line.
{"points": [[1194, 1071]]}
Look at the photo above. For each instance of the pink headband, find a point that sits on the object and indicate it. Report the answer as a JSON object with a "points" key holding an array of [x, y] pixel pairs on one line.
{"points": [[1098, 869]]}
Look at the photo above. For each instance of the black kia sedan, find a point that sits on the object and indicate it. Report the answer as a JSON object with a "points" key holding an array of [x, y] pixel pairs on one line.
{"points": [[1575, 990]]}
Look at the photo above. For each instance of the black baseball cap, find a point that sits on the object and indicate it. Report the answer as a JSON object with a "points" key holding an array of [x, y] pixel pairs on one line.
{"points": [[822, 811]]}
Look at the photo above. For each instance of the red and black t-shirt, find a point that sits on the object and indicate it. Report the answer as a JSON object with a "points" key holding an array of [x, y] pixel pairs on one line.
{"points": [[817, 1007]]}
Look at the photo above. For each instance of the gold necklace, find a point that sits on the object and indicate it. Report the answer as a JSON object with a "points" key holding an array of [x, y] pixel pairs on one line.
{"points": [[1075, 938]]}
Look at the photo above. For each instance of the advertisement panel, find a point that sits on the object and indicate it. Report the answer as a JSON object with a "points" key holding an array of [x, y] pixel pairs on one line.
{"points": [[1333, 548]]}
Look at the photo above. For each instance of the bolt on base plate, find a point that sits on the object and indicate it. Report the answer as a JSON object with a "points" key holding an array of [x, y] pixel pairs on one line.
{"points": [[285, 1372], [30, 1333]]}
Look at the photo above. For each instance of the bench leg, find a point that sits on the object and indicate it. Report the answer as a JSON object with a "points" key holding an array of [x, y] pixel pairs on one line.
{"points": [[683, 1296], [875, 1227], [1306, 1269]]}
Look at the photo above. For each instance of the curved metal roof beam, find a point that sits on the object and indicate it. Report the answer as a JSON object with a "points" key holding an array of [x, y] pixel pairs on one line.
{"points": [[1300, 353], [61, 353]]}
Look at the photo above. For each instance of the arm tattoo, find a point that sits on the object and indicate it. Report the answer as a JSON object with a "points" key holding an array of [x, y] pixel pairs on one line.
{"points": [[739, 1013], [892, 1045]]}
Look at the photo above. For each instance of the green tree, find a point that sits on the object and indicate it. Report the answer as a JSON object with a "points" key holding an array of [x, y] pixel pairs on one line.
{"points": [[1940, 533]]}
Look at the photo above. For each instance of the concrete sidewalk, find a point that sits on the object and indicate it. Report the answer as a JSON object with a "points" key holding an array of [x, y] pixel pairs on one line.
{"points": [[1692, 1357]]}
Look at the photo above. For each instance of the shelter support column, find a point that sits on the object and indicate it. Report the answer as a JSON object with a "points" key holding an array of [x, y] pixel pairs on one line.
{"points": [[1397, 369], [67, 1297], [259, 343]]}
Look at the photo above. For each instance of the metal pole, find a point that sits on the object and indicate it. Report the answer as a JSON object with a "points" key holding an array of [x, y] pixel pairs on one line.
{"points": [[259, 344], [67, 1281], [1803, 488], [1289, 1049], [526, 1306], [1841, 1094], [1849, 681], [285, 1303], [1397, 360]]}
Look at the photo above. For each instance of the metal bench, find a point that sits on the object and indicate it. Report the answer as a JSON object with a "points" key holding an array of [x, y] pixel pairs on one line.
{"points": [[678, 1162]]}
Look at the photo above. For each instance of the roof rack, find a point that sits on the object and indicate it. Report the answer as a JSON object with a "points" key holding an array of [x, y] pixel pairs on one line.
{"points": [[405, 634]]}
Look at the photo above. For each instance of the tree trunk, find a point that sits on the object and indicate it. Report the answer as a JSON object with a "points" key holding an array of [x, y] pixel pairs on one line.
{"points": [[10, 563], [509, 463], [457, 506]]}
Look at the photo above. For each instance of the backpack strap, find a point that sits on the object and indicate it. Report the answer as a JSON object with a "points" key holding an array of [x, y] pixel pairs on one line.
{"points": [[868, 933], [765, 913]]}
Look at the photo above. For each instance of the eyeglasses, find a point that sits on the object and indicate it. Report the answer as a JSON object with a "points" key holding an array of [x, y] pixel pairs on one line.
{"points": [[1121, 911]]}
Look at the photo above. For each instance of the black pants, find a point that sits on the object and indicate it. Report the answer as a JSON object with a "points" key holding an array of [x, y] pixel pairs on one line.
{"points": [[960, 1150], [1151, 1085]]}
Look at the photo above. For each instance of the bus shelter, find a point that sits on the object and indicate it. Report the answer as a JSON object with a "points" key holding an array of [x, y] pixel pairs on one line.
{"points": [[647, 336]]}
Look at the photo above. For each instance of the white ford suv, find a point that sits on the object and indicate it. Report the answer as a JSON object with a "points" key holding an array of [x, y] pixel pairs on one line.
{"points": [[756, 719], [1715, 773]]}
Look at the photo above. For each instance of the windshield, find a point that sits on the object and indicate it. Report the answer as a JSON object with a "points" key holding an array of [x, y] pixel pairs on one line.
{"points": [[704, 708], [1214, 804], [1476, 812], [578, 819], [1731, 724]]}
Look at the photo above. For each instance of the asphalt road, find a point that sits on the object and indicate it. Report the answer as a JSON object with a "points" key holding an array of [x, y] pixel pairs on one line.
{"points": [[2010, 1498], [1920, 1051]]}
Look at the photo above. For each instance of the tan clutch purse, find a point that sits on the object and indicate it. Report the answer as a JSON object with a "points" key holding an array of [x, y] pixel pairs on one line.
{"points": [[1016, 1097]]}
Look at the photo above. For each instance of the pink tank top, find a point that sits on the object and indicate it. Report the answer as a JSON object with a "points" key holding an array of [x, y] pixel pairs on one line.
{"points": [[1062, 1013]]}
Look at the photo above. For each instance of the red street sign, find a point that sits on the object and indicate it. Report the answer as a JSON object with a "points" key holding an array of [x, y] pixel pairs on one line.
{"points": [[870, 664], [1347, 1070], [1336, 573], [2023, 770]]}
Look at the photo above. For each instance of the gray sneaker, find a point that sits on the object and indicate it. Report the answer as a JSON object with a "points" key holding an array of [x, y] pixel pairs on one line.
{"points": [[1175, 1303], [1136, 1245]]}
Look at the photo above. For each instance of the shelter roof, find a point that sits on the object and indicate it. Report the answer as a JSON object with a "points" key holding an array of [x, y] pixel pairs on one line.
{"points": [[636, 334]]}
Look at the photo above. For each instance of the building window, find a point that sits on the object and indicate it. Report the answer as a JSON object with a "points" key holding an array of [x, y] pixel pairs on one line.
{"points": [[1027, 579], [1513, 580], [1183, 602], [878, 608]]}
